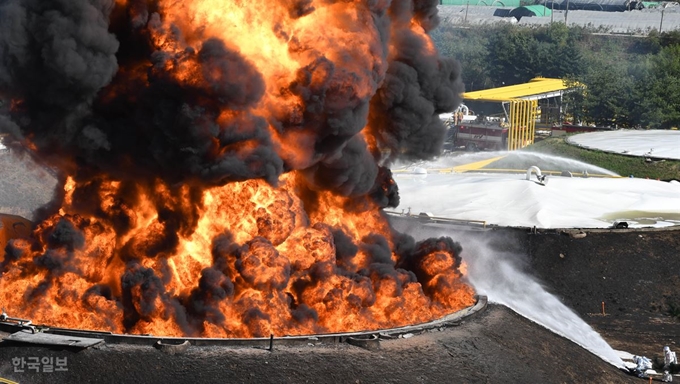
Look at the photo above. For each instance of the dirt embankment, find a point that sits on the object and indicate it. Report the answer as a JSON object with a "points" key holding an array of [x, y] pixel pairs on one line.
{"points": [[635, 273]]}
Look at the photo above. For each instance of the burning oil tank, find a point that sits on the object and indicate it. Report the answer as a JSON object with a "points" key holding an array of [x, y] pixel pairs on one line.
{"points": [[222, 165]]}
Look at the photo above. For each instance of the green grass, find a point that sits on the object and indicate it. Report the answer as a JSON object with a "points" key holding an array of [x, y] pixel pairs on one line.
{"points": [[623, 165]]}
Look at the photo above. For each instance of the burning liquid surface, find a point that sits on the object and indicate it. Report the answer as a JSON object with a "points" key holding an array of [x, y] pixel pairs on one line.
{"points": [[222, 165], [280, 272]]}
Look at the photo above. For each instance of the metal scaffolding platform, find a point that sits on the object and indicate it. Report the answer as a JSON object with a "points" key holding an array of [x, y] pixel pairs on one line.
{"points": [[520, 104]]}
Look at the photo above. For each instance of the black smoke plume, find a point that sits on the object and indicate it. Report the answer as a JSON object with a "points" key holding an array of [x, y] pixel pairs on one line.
{"points": [[71, 69]]}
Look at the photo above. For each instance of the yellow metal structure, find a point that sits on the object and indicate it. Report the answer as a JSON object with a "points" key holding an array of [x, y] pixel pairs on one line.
{"points": [[538, 87], [522, 123], [521, 101]]}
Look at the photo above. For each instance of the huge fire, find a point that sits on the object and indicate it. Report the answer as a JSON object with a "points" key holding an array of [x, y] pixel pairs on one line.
{"points": [[223, 166]]}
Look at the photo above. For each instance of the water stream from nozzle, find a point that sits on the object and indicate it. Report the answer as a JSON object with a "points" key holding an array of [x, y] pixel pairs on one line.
{"points": [[518, 160], [504, 279], [500, 277]]}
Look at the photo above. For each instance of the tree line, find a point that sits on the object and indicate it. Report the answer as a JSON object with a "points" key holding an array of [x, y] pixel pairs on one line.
{"points": [[629, 81]]}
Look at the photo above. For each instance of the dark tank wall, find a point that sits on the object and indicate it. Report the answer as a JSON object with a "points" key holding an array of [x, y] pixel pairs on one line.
{"points": [[636, 273]]}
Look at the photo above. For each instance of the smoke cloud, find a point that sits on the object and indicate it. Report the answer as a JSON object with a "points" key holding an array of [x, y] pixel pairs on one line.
{"points": [[93, 88]]}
